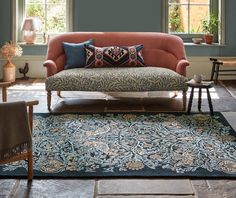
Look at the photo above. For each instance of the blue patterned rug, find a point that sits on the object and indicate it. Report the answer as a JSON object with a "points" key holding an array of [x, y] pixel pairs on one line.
{"points": [[130, 145]]}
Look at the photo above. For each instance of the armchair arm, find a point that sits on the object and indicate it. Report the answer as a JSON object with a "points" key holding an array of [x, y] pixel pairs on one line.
{"points": [[51, 67], [5, 84], [181, 67], [31, 103]]}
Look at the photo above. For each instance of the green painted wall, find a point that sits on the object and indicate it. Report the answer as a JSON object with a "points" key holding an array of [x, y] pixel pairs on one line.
{"points": [[124, 15], [5, 21]]}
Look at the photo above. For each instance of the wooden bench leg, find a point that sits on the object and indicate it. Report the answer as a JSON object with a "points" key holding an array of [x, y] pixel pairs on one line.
{"points": [[49, 96], [184, 100]]}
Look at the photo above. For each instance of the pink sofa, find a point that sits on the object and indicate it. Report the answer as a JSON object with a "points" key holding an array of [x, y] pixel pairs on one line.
{"points": [[160, 50]]}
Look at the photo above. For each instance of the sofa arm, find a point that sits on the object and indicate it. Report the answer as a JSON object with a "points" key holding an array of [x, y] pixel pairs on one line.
{"points": [[51, 67], [181, 67]]}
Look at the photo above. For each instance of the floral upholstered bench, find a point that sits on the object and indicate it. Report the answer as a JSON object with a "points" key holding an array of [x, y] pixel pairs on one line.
{"points": [[148, 62]]}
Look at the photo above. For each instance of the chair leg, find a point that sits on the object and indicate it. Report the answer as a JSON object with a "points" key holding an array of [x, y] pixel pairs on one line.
{"points": [[49, 96], [30, 165], [184, 100]]}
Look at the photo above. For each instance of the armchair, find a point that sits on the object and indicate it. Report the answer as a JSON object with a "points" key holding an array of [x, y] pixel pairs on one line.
{"points": [[16, 142]]}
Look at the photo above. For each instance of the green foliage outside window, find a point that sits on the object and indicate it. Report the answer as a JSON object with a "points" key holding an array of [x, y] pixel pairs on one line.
{"points": [[185, 16], [175, 24], [51, 13], [209, 24]]}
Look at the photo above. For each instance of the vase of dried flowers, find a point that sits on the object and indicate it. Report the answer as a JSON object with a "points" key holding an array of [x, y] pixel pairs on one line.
{"points": [[8, 51]]}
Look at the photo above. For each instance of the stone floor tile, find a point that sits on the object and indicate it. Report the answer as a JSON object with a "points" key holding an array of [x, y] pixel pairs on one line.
{"points": [[6, 186], [201, 188], [214, 188], [56, 189], [225, 188], [230, 86], [145, 186], [231, 118]]}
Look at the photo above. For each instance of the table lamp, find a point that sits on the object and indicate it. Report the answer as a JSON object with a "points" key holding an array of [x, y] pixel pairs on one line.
{"points": [[30, 26]]}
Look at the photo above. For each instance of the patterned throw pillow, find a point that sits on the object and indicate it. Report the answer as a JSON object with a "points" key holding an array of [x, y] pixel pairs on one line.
{"points": [[114, 56]]}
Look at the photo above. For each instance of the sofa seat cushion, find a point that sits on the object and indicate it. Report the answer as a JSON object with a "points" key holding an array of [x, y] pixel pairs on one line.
{"points": [[117, 79]]}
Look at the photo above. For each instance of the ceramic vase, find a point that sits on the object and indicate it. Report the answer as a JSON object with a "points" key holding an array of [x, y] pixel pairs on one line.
{"points": [[9, 72]]}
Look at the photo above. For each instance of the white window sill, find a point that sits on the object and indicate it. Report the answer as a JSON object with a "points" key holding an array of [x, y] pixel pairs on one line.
{"points": [[34, 44]]}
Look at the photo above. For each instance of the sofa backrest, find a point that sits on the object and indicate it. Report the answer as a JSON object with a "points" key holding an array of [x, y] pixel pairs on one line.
{"points": [[160, 49]]}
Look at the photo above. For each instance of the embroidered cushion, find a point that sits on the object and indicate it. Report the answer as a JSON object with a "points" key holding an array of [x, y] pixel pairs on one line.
{"points": [[114, 56], [75, 54]]}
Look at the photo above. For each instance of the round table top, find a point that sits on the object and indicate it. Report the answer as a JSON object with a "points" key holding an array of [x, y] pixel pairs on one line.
{"points": [[203, 84]]}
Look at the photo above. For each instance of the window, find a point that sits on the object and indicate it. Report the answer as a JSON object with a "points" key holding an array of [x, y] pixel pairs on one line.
{"points": [[183, 17], [53, 16]]}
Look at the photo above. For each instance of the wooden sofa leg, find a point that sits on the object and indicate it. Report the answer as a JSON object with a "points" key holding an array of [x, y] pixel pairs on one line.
{"points": [[184, 100], [175, 94], [59, 94], [49, 95]]}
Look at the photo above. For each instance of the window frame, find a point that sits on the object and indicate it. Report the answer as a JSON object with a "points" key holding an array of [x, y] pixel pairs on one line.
{"points": [[216, 7], [18, 13]]}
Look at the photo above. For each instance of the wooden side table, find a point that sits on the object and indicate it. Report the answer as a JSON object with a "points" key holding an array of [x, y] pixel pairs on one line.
{"points": [[203, 85], [4, 86]]}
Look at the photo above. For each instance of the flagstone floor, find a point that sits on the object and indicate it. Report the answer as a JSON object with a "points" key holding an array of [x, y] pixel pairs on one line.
{"points": [[33, 89]]}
